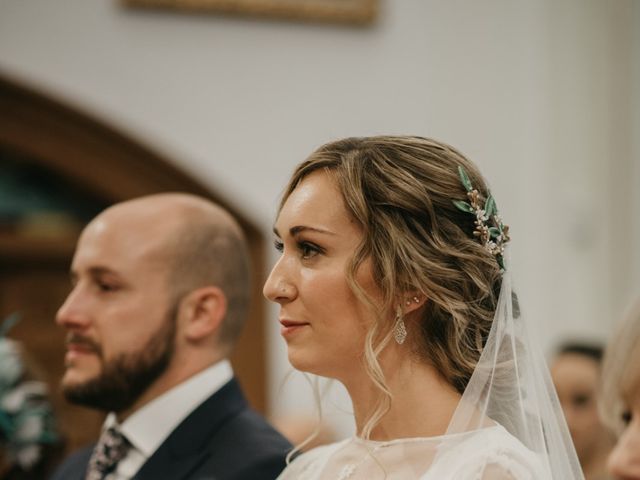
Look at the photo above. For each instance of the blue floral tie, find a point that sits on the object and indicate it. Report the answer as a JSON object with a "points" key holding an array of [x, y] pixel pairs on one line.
{"points": [[111, 448]]}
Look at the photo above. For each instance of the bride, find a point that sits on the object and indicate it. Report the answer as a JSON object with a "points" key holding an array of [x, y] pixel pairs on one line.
{"points": [[392, 280]]}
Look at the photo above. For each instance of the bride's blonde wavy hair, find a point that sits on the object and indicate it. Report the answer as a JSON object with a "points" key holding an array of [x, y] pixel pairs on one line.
{"points": [[400, 189]]}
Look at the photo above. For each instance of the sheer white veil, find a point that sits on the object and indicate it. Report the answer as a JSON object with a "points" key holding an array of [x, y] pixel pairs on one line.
{"points": [[511, 386]]}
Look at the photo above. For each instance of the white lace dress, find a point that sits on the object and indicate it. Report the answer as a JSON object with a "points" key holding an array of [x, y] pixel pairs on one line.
{"points": [[486, 454]]}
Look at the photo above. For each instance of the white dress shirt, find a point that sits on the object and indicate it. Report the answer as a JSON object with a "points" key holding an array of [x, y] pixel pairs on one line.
{"points": [[147, 428]]}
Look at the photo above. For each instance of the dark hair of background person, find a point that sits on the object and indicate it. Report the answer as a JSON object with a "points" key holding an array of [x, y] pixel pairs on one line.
{"points": [[592, 350]]}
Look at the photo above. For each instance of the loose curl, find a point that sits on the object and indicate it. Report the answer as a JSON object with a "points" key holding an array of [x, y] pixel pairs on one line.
{"points": [[399, 189]]}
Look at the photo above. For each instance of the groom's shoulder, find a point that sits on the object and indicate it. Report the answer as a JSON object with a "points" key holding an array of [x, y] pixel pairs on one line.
{"points": [[74, 466], [252, 448], [255, 434]]}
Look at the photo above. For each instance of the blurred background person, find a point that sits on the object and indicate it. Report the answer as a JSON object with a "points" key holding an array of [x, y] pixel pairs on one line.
{"points": [[621, 396], [576, 374], [29, 442]]}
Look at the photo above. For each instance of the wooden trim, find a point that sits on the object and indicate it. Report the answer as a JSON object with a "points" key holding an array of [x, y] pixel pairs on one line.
{"points": [[359, 12], [19, 249]]}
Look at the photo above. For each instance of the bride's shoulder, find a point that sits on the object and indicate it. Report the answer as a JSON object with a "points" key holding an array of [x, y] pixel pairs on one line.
{"points": [[497, 438], [489, 453], [308, 465]]}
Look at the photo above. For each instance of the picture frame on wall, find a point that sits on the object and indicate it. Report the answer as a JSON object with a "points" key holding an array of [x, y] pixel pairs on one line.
{"points": [[357, 12]]}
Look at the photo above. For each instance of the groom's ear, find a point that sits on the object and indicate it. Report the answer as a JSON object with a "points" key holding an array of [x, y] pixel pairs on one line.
{"points": [[202, 312]]}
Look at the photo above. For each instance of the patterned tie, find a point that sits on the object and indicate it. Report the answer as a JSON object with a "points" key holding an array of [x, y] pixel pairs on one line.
{"points": [[111, 448]]}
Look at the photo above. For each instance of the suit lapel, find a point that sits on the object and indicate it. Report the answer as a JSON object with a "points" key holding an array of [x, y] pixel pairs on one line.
{"points": [[189, 444]]}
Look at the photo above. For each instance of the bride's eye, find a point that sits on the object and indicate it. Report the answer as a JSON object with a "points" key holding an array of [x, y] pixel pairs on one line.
{"points": [[626, 417], [308, 250], [279, 246]]}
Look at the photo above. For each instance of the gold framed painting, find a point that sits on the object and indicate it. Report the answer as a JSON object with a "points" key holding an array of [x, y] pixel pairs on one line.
{"points": [[361, 12]]}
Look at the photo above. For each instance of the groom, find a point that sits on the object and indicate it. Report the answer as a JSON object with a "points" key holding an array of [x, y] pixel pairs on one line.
{"points": [[160, 294]]}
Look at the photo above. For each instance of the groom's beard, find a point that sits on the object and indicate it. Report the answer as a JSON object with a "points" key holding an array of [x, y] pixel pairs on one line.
{"points": [[126, 377]]}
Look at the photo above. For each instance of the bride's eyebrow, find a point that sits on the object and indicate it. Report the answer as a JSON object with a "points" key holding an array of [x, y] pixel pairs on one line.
{"points": [[293, 231]]}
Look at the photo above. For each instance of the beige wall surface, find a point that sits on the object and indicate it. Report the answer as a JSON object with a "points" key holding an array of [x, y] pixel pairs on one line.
{"points": [[544, 96]]}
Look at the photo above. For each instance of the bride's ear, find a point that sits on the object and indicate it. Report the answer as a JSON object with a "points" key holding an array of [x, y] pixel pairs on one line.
{"points": [[412, 301]]}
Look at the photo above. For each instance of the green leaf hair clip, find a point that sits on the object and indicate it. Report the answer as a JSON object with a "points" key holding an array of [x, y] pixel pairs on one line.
{"points": [[490, 231]]}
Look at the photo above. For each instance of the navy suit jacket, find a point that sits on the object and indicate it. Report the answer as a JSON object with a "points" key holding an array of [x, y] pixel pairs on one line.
{"points": [[222, 439]]}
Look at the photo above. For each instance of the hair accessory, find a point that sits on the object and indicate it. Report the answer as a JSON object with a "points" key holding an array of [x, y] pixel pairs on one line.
{"points": [[399, 330], [493, 234], [413, 299]]}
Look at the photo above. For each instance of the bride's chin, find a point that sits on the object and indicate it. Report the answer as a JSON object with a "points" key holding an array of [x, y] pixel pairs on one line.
{"points": [[303, 362], [306, 364], [299, 362]]}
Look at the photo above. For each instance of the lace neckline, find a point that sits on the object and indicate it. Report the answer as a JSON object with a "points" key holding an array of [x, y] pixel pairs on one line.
{"points": [[435, 438]]}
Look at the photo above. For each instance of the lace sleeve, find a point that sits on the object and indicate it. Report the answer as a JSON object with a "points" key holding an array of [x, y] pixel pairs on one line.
{"points": [[496, 472], [501, 467], [309, 465], [514, 462], [491, 454]]}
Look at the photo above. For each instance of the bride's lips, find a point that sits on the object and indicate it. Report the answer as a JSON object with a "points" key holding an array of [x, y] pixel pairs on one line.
{"points": [[290, 326]]}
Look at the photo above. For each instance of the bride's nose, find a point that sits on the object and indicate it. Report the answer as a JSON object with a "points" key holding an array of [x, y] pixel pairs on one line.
{"points": [[279, 286]]}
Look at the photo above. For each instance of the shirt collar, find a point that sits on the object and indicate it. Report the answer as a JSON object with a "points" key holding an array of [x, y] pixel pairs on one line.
{"points": [[147, 428]]}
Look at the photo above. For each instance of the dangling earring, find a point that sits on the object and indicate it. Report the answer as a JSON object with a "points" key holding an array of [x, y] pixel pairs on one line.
{"points": [[399, 330]]}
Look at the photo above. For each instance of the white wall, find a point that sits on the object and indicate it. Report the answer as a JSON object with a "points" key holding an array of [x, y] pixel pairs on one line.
{"points": [[635, 139], [542, 95]]}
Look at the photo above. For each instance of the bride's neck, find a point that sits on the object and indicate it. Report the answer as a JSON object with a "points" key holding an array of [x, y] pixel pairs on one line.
{"points": [[422, 401]]}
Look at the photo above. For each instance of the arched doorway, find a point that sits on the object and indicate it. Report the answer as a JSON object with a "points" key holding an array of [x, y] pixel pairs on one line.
{"points": [[100, 166]]}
